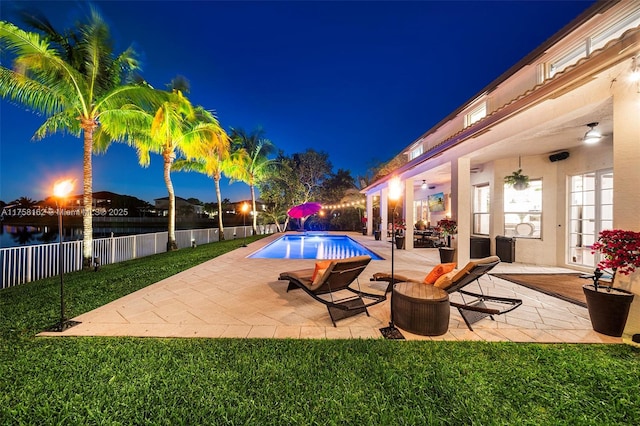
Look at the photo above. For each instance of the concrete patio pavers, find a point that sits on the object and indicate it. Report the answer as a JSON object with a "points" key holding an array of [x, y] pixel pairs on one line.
{"points": [[233, 296]]}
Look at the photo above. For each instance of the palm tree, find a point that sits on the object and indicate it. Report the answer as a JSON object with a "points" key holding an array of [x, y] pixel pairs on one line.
{"points": [[216, 160], [79, 85], [24, 202], [249, 162], [171, 127]]}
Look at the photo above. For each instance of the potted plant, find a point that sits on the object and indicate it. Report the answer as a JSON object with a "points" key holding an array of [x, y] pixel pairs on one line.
{"points": [[376, 227], [517, 180], [399, 226], [447, 228], [608, 306]]}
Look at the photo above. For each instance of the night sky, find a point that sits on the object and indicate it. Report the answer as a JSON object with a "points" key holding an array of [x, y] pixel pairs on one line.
{"points": [[358, 80]]}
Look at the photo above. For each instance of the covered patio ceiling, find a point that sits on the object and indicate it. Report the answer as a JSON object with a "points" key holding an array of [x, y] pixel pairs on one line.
{"points": [[562, 133]]}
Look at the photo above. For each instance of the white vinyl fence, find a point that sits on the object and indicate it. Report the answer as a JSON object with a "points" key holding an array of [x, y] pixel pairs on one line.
{"points": [[29, 263]]}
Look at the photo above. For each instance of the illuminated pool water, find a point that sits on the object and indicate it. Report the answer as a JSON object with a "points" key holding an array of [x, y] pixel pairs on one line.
{"points": [[313, 247]]}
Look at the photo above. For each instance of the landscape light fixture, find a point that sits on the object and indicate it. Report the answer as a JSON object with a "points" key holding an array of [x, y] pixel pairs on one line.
{"points": [[424, 184], [395, 190], [244, 208], [61, 190], [592, 136]]}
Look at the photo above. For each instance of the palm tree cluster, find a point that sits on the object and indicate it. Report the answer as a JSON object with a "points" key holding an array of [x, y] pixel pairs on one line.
{"points": [[76, 80]]}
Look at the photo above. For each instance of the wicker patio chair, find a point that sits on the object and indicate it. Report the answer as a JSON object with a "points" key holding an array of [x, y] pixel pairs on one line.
{"points": [[332, 287], [473, 306]]}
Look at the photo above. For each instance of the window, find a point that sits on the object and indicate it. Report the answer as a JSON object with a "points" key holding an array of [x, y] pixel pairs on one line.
{"points": [[568, 59], [523, 210], [590, 211], [481, 209], [415, 152], [421, 210], [476, 114], [615, 30]]}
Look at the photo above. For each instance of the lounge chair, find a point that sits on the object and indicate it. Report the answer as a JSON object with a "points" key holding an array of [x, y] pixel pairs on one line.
{"points": [[331, 287], [479, 305]]}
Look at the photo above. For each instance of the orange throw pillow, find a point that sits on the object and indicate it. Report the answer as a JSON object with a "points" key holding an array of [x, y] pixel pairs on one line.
{"points": [[438, 271], [445, 281], [321, 267]]}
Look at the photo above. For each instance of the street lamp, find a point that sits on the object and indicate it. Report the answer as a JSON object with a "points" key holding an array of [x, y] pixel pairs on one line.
{"points": [[395, 191], [61, 190], [245, 209]]}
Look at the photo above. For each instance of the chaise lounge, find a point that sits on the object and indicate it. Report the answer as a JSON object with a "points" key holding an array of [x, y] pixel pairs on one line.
{"points": [[330, 284], [474, 306]]}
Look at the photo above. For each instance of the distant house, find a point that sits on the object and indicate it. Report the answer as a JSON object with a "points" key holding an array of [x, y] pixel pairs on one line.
{"points": [[236, 207], [100, 200], [106, 203], [183, 207]]}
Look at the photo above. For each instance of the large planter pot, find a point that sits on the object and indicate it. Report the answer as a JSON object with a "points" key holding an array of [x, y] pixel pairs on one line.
{"points": [[399, 242], [608, 308], [376, 235], [446, 254]]}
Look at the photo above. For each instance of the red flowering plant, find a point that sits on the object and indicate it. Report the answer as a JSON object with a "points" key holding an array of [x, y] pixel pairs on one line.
{"points": [[447, 227], [620, 250]]}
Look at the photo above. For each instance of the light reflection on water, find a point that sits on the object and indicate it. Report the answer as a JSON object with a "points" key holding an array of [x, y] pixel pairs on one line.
{"points": [[313, 247]]}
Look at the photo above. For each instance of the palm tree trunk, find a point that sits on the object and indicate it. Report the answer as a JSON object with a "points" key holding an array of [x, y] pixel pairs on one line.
{"points": [[255, 216], [219, 197], [168, 156], [88, 126]]}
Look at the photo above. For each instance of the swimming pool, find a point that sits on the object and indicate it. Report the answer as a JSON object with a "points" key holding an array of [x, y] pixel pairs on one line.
{"points": [[313, 247]]}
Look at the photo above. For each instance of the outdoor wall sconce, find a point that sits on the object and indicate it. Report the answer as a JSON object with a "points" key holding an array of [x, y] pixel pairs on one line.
{"points": [[593, 135]]}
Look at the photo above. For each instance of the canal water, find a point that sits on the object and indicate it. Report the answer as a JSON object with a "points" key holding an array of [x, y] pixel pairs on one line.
{"points": [[24, 235]]}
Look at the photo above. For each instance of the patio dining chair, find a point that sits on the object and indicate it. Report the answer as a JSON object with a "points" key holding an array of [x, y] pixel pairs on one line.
{"points": [[330, 284], [473, 306]]}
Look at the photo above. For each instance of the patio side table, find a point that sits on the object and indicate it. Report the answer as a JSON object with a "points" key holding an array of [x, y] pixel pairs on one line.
{"points": [[421, 308]]}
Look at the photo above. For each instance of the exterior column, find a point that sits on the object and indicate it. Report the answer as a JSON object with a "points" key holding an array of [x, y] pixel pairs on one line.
{"points": [[626, 181], [369, 214], [384, 210], [409, 214], [461, 207]]}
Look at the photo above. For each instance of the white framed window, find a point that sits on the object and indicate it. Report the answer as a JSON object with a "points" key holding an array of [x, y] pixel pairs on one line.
{"points": [[421, 210], [481, 209], [415, 152], [615, 30], [523, 211], [567, 59], [476, 114]]}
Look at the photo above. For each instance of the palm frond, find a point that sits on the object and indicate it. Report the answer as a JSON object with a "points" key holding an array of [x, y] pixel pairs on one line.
{"points": [[20, 42], [29, 93], [183, 165], [64, 121]]}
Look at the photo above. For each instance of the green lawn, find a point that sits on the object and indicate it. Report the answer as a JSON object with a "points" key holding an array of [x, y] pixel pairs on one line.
{"points": [[286, 382]]}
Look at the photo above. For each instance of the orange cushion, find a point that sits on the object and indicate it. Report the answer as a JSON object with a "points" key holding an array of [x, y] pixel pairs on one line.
{"points": [[321, 267], [445, 281], [437, 271]]}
